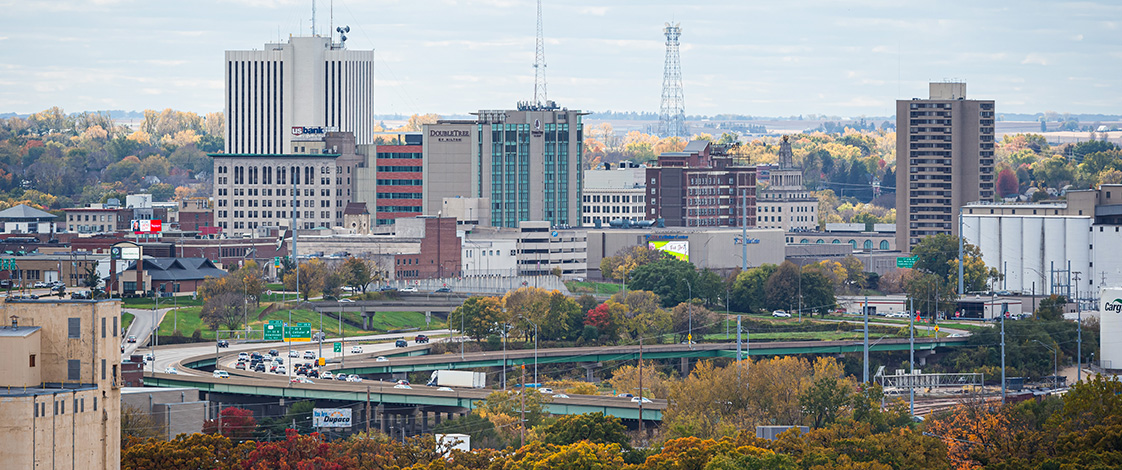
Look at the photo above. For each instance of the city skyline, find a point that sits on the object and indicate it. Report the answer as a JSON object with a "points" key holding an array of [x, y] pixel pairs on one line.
{"points": [[456, 57]]}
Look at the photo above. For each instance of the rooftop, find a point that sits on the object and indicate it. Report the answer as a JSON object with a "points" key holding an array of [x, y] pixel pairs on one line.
{"points": [[25, 212], [44, 389], [18, 332]]}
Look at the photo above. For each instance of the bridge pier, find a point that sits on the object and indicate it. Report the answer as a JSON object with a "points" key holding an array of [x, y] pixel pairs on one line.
{"points": [[590, 369], [381, 417], [684, 367], [923, 355]]}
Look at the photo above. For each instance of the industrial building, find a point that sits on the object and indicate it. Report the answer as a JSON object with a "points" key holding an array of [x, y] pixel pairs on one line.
{"points": [[944, 160]]}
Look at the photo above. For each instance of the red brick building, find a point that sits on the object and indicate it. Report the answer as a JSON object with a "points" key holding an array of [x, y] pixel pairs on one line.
{"points": [[400, 190], [701, 186], [439, 254]]}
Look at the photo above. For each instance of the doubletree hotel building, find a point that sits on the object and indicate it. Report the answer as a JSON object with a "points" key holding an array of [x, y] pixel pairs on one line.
{"points": [[527, 162]]}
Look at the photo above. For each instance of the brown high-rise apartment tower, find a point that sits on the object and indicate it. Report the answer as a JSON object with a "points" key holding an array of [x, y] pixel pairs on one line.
{"points": [[944, 159]]}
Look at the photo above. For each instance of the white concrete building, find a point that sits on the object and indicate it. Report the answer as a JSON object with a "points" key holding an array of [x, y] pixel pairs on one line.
{"points": [[614, 194], [539, 248], [786, 203], [309, 85], [490, 257]]}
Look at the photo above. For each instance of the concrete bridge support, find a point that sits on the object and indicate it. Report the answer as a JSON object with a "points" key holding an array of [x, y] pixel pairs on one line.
{"points": [[590, 369]]}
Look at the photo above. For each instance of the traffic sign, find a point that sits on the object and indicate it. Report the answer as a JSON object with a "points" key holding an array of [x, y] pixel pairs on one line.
{"points": [[338, 347], [300, 332], [906, 261], [274, 331]]}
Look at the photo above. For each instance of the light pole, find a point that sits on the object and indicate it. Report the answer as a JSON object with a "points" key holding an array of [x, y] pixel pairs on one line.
{"points": [[1055, 362], [535, 347], [1079, 330], [689, 308]]}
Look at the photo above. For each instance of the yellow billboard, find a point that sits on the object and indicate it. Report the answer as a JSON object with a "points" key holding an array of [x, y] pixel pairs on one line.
{"points": [[679, 249]]}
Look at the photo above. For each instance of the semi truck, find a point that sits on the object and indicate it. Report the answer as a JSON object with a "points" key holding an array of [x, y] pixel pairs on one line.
{"points": [[458, 378]]}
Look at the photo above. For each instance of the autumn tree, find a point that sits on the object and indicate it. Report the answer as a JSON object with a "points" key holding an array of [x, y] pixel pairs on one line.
{"points": [[225, 309], [643, 315], [139, 424], [689, 316], [478, 315], [235, 423], [359, 273], [313, 274], [656, 384], [619, 266], [593, 427]]}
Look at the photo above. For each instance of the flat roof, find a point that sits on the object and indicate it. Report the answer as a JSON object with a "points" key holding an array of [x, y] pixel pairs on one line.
{"points": [[274, 155], [45, 389], [18, 332]]}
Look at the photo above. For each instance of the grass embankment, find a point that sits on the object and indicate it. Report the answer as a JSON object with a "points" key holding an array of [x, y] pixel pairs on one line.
{"points": [[585, 287], [126, 320], [189, 320]]}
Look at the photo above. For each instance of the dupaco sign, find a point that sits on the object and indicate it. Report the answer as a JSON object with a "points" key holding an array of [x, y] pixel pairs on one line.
{"points": [[331, 417]]}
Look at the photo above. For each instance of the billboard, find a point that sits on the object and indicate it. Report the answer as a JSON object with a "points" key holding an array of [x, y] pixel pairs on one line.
{"points": [[679, 249], [147, 226], [331, 417]]}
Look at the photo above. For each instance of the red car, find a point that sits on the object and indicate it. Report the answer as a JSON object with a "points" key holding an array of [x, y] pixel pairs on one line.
{"points": [[421, 339]]}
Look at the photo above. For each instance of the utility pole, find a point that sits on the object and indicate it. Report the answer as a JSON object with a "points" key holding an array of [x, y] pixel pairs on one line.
{"points": [[642, 428], [743, 230], [865, 376], [912, 356], [961, 242], [522, 412], [368, 412], [1002, 350], [1079, 330], [739, 357]]}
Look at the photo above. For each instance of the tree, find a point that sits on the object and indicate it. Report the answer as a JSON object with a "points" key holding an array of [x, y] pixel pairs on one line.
{"points": [[607, 318], [478, 315], [817, 292], [506, 408], [620, 265], [656, 384], [358, 273], [643, 316], [1007, 184], [938, 254], [592, 427], [235, 423], [930, 294], [782, 287], [824, 399], [313, 274], [748, 290], [482, 432], [688, 313], [673, 280], [1051, 308], [226, 309], [136, 423]]}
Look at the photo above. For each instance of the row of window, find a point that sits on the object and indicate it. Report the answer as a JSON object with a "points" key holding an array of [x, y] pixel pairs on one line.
{"points": [[613, 198], [60, 405], [399, 168], [86, 218]]}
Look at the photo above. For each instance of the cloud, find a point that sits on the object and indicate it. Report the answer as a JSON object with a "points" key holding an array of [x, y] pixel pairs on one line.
{"points": [[1034, 58], [595, 11]]}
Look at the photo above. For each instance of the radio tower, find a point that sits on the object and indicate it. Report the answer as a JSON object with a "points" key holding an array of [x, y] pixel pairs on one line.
{"points": [[539, 65], [672, 115]]}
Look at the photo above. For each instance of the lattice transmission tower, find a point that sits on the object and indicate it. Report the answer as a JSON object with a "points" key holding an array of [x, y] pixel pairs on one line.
{"points": [[540, 98], [672, 114]]}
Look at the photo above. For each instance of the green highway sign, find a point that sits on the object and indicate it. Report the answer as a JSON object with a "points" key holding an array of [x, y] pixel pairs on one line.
{"points": [[906, 261], [338, 347], [8, 264], [300, 332], [274, 331]]}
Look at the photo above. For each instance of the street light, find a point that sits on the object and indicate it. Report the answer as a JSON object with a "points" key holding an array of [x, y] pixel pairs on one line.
{"points": [[1055, 362], [689, 308]]}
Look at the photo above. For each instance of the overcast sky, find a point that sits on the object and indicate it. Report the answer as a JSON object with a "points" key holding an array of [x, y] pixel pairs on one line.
{"points": [[764, 58]]}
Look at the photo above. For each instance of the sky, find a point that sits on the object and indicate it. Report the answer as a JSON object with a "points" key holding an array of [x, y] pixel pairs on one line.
{"points": [[760, 58]]}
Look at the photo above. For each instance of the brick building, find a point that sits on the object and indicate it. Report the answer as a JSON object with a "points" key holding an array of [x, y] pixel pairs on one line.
{"points": [[701, 186]]}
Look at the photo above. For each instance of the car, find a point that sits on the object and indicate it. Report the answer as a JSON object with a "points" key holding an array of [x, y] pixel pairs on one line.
{"points": [[560, 395], [356, 349], [546, 390], [381, 359], [781, 314], [297, 380], [59, 288], [243, 356], [313, 373], [221, 374], [341, 377], [81, 295], [347, 301], [278, 360], [625, 395], [259, 367], [400, 343], [309, 355], [274, 352], [293, 353], [256, 355], [403, 387], [325, 375], [131, 339], [223, 343], [273, 367], [408, 289], [281, 370], [240, 366], [443, 289], [421, 339], [149, 358], [41, 285], [896, 315], [402, 382], [641, 399], [387, 289], [354, 378], [171, 370], [445, 389]]}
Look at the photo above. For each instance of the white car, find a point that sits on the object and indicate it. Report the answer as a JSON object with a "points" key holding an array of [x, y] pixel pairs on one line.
{"points": [[381, 359], [293, 353], [445, 389], [244, 356], [896, 315], [221, 374], [560, 395], [309, 355], [326, 375], [354, 378], [171, 370], [356, 349], [281, 370], [781, 314], [548, 391], [347, 301], [408, 289], [644, 400], [403, 387]]}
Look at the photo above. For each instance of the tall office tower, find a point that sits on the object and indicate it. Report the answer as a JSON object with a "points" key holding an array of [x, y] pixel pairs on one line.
{"points": [[526, 161], [309, 85], [786, 203], [944, 160]]}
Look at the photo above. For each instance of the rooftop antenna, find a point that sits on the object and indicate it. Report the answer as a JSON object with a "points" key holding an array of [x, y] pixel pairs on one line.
{"points": [[313, 18], [539, 64]]}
